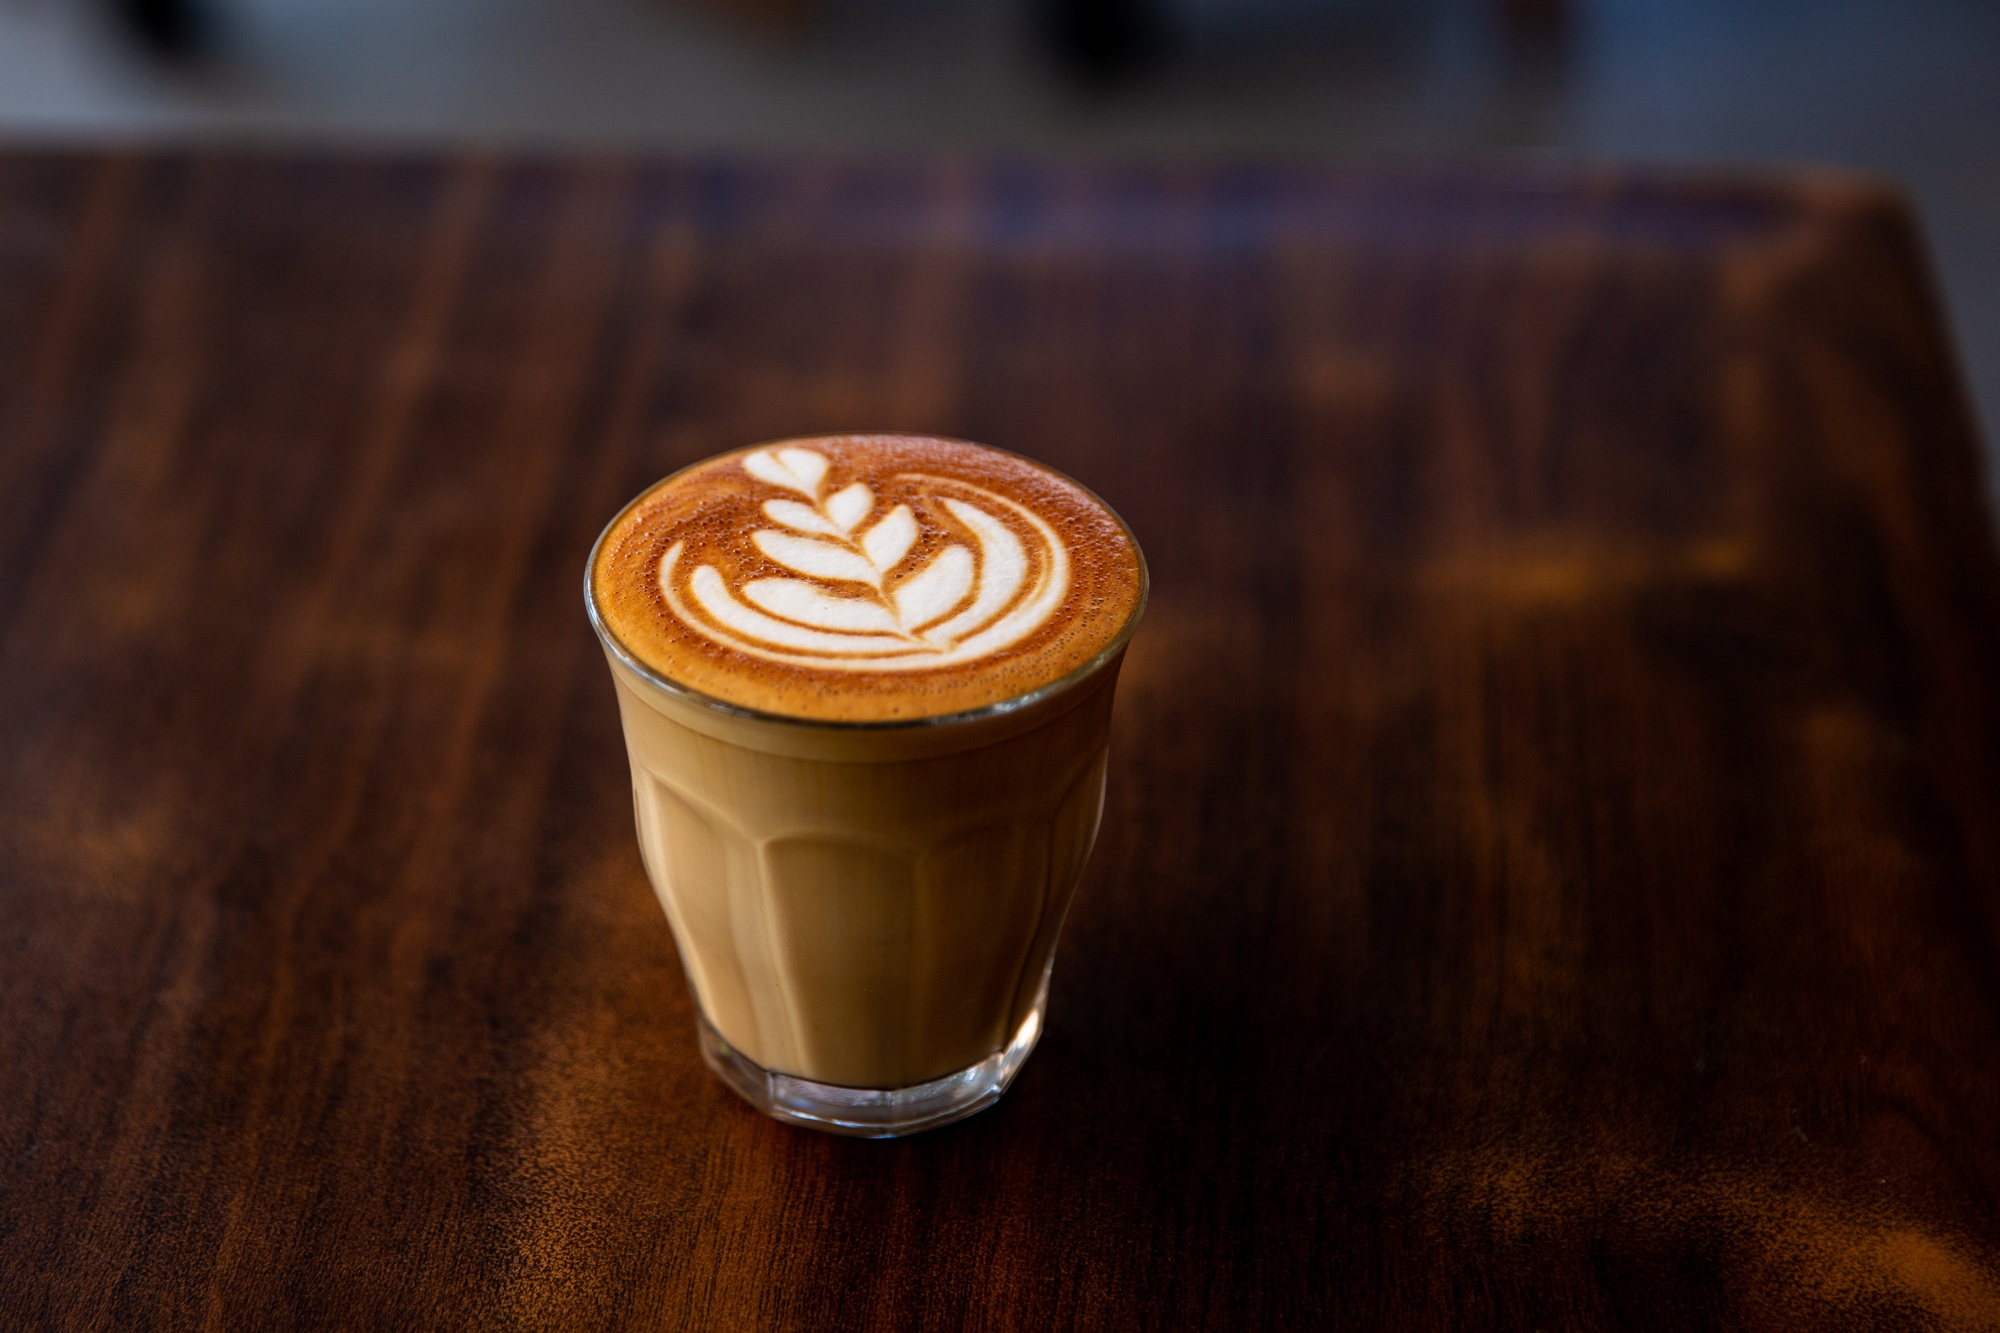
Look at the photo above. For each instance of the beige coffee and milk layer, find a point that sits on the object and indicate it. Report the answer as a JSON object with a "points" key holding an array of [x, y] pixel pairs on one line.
{"points": [[866, 686]]}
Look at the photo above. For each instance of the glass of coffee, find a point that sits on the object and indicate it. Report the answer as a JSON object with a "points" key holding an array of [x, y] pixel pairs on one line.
{"points": [[866, 688]]}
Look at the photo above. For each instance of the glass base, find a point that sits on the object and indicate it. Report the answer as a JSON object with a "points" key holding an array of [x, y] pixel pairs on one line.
{"points": [[873, 1113]]}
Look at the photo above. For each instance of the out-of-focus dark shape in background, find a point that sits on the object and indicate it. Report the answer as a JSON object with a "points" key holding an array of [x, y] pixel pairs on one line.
{"points": [[165, 27], [1910, 88]]}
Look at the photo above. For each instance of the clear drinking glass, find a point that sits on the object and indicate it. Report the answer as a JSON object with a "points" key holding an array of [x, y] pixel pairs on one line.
{"points": [[866, 911]]}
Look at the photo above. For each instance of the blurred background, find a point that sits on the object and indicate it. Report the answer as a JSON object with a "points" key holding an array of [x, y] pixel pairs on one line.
{"points": [[1908, 88]]}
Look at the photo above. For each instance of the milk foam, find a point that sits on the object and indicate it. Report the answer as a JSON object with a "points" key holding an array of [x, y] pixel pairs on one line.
{"points": [[866, 577], [857, 606]]}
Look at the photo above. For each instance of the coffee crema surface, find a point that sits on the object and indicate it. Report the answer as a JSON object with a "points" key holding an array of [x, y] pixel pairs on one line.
{"points": [[866, 578]]}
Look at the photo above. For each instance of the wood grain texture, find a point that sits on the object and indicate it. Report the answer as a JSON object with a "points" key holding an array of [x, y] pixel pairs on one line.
{"points": [[1552, 869]]}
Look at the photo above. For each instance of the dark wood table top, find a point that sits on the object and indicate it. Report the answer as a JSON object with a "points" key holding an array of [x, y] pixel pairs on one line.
{"points": [[1552, 869]]}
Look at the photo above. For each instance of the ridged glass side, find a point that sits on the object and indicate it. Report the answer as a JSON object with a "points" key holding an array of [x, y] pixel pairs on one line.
{"points": [[879, 927], [876, 963]]}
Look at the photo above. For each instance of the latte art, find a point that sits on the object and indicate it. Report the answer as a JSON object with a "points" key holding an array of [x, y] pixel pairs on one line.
{"points": [[866, 578], [854, 598]]}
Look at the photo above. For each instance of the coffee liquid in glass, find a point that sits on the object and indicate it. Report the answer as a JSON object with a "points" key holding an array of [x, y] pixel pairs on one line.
{"points": [[866, 688]]}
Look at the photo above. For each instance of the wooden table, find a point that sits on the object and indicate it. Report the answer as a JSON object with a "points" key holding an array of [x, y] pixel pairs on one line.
{"points": [[1552, 870]]}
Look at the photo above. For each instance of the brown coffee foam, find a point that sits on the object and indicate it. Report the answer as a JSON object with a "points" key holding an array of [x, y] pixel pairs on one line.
{"points": [[713, 507]]}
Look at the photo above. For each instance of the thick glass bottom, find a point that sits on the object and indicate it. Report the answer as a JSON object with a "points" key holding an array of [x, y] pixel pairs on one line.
{"points": [[873, 1113]]}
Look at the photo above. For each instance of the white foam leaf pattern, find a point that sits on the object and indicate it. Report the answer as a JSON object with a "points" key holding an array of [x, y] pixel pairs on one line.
{"points": [[889, 541], [807, 604], [799, 518], [821, 560], [966, 603], [799, 470], [808, 466], [935, 589], [850, 506], [1006, 568], [713, 596]]}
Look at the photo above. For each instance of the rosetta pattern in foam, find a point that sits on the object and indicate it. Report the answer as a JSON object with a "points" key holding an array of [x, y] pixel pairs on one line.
{"points": [[855, 605]]}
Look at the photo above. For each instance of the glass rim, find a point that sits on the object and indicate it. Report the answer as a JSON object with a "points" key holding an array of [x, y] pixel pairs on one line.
{"points": [[999, 708]]}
